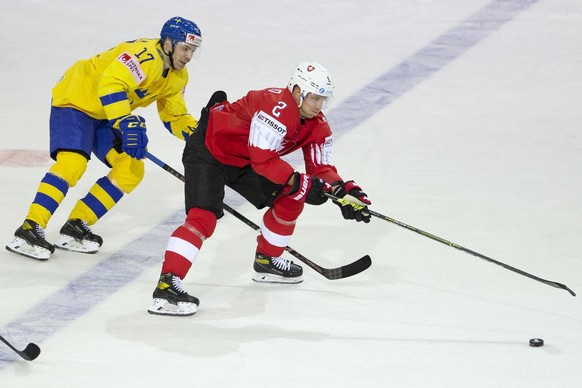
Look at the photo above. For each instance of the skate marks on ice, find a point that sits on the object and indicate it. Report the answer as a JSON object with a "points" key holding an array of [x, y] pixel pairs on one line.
{"points": [[59, 309], [24, 158]]}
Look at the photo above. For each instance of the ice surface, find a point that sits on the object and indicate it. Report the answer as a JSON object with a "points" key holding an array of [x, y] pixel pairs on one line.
{"points": [[461, 118]]}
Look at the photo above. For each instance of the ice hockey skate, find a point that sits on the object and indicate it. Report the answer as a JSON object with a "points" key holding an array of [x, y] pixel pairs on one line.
{"points": [[76, 236], [171, 299], [276, 270], [29, 240]]}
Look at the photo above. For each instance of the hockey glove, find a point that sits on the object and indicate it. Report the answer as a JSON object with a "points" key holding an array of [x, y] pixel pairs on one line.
{"points": [[354, 201], [309, 189], [217, 97], [134, 139]]}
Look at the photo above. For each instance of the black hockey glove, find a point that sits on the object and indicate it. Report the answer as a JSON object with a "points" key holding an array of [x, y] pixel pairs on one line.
{"points": [[309, 189], [355, 202], [217, 97]]}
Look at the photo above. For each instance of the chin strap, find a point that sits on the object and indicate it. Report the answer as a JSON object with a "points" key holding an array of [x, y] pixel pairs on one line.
{"points": [[301, 99], [171, 55]]}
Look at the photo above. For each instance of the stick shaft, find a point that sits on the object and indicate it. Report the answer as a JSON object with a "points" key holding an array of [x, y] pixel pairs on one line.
{"points": [[459, 247]]}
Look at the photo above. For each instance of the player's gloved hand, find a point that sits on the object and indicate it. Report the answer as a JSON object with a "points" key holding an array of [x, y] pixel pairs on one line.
{"points": [[309, 189], [217, 97], [134, 139], [354, 202]]}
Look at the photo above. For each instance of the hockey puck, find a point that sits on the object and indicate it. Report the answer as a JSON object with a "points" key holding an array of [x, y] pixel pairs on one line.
{"points": [[536, 342]]}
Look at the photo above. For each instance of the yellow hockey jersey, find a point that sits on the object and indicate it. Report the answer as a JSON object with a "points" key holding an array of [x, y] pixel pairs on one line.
{"points": [[112, 84]]}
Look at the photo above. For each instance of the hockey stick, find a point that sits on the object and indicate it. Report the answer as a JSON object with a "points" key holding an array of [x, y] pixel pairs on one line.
{"points": [[29, 353], [344, 271], [452, 244]]}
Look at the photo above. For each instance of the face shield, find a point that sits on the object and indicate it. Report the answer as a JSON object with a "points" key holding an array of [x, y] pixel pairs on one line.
{"points": [[190, 50], [317, 101], [190, 46]]}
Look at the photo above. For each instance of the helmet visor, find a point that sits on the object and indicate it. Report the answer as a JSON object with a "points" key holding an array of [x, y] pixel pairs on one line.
{"points": [[189, 49], [318, 101]]}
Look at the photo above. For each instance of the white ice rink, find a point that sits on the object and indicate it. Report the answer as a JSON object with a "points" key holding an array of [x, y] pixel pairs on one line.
{"points": [[461, 118]]}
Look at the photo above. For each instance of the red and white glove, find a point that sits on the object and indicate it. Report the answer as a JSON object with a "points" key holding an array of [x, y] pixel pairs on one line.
{"points": [[309, 189], [355, 202]]}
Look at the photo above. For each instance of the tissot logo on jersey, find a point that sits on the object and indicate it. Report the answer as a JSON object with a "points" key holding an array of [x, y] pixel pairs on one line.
{"points": [[272, 123], [266, 132], [128, 61]]}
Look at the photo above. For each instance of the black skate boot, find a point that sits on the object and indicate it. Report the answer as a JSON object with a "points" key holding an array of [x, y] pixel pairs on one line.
{"points": [[276, 270], [29, 240], [171, 299], [76, 236]]}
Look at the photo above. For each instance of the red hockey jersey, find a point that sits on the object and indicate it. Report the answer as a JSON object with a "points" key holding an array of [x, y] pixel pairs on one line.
{"points": [[263, 126]]}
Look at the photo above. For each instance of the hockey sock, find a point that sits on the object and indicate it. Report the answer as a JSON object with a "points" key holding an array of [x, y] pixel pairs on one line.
{"points": [[186, 241], [275, 234], [100, 199], [51, 192]]}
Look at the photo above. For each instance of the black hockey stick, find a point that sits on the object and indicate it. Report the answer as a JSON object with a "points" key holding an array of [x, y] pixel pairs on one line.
{"points": [[452, 244], [29, 353], [344, 271]]}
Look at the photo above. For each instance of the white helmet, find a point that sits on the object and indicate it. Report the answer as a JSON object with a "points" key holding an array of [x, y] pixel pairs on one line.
{"points": [[313, 78]]}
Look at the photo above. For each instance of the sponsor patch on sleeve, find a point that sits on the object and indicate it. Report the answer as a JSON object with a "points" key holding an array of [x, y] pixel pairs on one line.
{"points": [[326, 150], [133, 66]]}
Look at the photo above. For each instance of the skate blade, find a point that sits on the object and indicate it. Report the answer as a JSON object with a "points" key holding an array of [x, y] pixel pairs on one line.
{"points": [[163, 307], [261, 277], [21, 247], [68, 243]]}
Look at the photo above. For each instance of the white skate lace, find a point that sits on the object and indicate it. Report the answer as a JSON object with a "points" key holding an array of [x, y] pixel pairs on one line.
{"points": [[85, 226], [281, 263], [40, 231], [177, 283]]}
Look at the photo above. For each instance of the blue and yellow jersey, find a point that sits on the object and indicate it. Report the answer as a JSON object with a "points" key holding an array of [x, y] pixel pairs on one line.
{"points": [[112, 84]]}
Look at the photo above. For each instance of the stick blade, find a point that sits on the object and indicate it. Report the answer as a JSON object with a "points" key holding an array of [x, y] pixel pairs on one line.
{"points": [[565, 287], [31, 352], [348, 270]]}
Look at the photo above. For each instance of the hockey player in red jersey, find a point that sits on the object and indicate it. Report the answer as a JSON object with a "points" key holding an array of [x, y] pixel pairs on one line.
{"points": [[240, 145]]}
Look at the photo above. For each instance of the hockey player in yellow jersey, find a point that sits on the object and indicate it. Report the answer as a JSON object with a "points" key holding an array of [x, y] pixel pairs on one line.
{"points": [[91, 113]]}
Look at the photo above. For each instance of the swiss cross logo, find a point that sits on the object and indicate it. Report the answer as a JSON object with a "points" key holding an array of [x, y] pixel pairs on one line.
{"points": [[310, 68]]}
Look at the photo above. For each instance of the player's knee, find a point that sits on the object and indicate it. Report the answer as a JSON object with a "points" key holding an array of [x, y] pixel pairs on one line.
{"points": [[202, 220], [287, 208], [127, 174], [70, 166]]}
